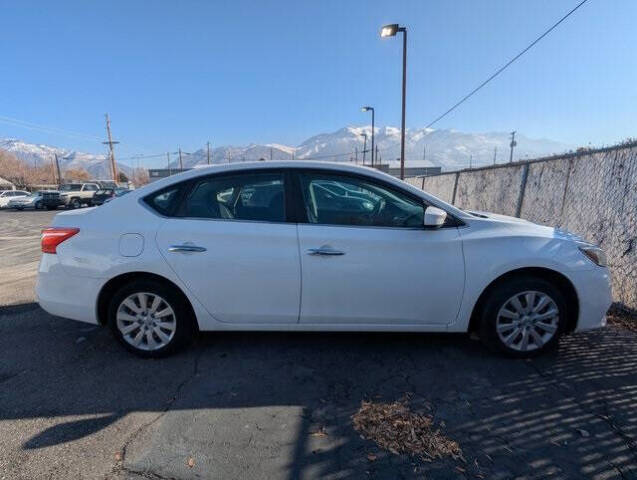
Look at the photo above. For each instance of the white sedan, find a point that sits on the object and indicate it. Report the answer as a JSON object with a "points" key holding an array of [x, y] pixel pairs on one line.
{"points": [[7, 195], [312, 246]]}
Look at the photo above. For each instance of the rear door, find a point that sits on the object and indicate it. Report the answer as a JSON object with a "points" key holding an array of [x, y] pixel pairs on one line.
{"points": [[231, 244], [368, 260]]}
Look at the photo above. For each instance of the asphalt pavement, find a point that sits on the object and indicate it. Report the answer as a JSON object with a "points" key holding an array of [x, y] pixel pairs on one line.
{"points": [[74, 404]]}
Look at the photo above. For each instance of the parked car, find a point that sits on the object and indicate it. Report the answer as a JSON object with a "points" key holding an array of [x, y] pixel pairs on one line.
{"points": [[33, 200], [74, 195], [257, 247], [106, 194], [50, 199], [7, 195]]}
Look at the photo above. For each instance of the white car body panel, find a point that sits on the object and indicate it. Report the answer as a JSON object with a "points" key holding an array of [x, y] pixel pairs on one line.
{"points": [[249, 272], [257, 275], [386, 275]]}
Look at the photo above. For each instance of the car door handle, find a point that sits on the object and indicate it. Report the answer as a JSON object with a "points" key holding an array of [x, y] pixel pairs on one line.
{"points": [[324, 251], [186, 249]]}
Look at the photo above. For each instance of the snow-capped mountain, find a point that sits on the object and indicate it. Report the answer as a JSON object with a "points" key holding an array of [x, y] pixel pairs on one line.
{"points": [[97, 165], [449, 149]]}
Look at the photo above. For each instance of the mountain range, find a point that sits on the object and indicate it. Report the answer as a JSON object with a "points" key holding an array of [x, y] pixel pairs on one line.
{"points": [[449, 149]]}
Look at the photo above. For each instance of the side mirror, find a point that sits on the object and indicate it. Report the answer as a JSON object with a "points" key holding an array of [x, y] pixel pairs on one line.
{"points": [[434, 217]]}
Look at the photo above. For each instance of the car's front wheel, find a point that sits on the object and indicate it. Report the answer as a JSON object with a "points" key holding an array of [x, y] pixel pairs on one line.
{"points": [[523, 316], [150, 319]]}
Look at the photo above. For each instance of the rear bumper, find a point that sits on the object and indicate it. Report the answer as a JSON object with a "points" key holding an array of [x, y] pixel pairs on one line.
{"points": [[595, 297], [64, 295]]}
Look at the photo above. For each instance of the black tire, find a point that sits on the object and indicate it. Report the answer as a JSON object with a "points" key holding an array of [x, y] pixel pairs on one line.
{"points": [[74, 203], [499, 297], [50, 207], [185, 324], [38, 205]]}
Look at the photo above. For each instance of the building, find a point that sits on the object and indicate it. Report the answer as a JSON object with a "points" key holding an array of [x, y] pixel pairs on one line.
{"points": [[6, 184], [409, 171], [155, 174]]}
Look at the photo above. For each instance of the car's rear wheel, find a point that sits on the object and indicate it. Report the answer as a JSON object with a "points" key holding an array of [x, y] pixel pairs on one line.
{"points": [[523, 317], [150, 319]]}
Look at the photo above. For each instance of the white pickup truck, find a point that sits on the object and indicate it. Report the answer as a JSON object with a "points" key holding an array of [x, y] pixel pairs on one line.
{"points": [[74, 195]]}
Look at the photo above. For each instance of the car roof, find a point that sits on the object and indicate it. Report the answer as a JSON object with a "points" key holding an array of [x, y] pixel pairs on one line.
{"points": [[339, 167]]}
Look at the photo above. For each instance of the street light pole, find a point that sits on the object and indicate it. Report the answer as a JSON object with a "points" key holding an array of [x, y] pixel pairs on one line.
{"points": [[367, 109], [364, 135], [391, 31]]}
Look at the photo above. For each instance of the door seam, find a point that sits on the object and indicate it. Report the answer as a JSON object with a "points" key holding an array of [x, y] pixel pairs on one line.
{"points": [[298, 247]]}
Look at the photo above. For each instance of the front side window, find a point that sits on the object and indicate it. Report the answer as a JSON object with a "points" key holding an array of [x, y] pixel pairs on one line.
{"points": [[90, 188], [248, 196], [332, 199]]}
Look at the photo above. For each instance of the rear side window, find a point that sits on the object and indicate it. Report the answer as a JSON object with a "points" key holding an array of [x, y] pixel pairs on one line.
{"points": [[248, 196], [165, 201]]}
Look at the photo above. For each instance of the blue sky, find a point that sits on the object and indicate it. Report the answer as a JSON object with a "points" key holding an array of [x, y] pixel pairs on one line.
{"points": [[183, 72]]}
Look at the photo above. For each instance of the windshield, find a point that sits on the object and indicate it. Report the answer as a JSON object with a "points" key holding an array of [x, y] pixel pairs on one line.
{"points": [[71, 187]]}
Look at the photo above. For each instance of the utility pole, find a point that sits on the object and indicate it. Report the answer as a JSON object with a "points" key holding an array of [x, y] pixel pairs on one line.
{"points": [[208, 153], [110, 144], [57, 168], [376, 157], [495, 154], [168, 163], [470, 161], [356, 155], [512, 144], [270, 153], [181, 164]]}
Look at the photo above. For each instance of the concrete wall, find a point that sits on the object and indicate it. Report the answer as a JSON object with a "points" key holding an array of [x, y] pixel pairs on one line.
{"points": [[593, 194]]}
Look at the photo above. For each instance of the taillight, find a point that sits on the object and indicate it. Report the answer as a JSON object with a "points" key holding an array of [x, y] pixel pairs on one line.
{"points": [[53, 236]]}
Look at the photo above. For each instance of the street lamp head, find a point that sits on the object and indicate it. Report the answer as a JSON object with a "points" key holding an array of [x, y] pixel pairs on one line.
{"points": [[366, 109], [389, 30]]}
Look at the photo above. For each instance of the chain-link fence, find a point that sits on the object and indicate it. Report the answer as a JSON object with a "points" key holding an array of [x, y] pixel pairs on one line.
{"points": [[592, 193]]}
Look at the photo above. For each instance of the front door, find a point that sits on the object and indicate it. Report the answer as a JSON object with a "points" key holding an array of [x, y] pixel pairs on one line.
{"points": [[367, 258], [230, 244]]}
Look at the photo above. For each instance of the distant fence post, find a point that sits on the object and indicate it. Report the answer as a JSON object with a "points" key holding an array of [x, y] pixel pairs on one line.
{"points": [[455, 187], [525, 175], [423, 182], [568, 178]]}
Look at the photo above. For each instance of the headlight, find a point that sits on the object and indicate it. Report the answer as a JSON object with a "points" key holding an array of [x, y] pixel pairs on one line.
{"points": [[595, 254]]}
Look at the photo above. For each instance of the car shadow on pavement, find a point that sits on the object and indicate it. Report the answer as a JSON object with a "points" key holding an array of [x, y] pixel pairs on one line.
{"points": [[279, 405]]}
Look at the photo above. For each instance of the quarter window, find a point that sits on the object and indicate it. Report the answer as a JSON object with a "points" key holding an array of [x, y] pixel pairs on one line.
{"points": [[165, 201], [250, 196], [343, 200]]}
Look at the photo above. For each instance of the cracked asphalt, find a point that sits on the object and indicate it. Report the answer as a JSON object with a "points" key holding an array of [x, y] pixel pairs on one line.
{"points": [[73, 404]]}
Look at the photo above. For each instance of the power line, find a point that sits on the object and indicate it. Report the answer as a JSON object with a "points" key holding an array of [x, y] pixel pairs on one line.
{"points": [[501, 69], [43, 128]]}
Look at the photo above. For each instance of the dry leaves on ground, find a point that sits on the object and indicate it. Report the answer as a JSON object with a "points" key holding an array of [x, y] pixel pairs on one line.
{"points": [[622, 318], [394, 427]]}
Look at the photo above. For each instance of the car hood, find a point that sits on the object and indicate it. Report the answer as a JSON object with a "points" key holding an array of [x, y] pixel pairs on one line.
{"points": [[524, 227]]}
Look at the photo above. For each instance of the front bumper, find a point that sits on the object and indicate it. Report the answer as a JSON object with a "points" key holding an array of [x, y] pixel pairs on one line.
{"points": [[64, 295], [595, 297]]}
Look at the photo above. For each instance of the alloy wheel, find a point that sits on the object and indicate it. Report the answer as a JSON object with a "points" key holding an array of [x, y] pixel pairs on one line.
{"points": [[146, 321], [527, 321]]}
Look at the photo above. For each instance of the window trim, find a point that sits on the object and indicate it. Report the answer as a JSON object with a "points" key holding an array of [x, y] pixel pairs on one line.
{"points": [[454, 222], [187, 186]]}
